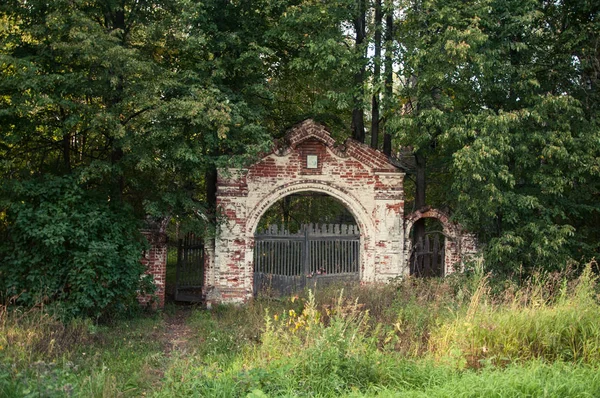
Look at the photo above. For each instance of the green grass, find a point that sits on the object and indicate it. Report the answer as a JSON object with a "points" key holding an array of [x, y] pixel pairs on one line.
{"points": [[452, 337], [528, 325], [40, 356]]}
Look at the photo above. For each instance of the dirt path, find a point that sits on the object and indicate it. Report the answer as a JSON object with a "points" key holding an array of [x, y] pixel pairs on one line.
{"points": [[177, 333]]}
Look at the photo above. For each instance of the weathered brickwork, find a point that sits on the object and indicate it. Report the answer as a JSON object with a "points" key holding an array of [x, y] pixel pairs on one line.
{"points": [[155, 260], [308, 159]]}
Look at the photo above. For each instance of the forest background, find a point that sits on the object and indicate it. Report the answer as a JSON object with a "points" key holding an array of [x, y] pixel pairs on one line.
{"points": [[114, 110]]}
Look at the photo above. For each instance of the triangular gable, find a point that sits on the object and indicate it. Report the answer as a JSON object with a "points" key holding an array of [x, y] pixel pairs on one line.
{"points": [[309, 129]]}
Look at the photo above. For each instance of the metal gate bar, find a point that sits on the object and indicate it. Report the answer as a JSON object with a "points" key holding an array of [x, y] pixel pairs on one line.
{"points": [[284, 262], [190, 269], [428, 255]]}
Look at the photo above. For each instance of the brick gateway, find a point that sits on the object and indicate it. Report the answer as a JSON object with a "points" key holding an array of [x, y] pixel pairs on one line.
{"points": [[308, 160]]}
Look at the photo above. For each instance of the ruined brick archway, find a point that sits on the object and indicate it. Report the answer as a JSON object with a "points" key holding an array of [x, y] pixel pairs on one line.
{"points": [[358, 211], [308, 159], [458, 245], [450, 229]]}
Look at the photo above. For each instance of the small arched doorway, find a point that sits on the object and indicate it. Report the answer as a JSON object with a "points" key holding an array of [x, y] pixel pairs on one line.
{"points": [[306, 239], [427, 256], [439, 251]]}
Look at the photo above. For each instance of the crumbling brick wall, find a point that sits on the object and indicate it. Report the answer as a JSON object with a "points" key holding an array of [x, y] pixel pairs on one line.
{"points": [[308, 160], [155, 260]]}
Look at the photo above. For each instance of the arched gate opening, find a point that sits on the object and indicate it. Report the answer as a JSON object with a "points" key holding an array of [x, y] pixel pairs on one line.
{"points": [[305, 240], [361, 179], [428, 255], [443, 248]]}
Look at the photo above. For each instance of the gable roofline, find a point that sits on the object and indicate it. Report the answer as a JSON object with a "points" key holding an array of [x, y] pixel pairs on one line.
{"points": [[309, 129]]}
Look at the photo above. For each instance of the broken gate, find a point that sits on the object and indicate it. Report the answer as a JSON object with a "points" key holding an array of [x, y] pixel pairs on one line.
{"points": [[286, 262], [428, 256]]}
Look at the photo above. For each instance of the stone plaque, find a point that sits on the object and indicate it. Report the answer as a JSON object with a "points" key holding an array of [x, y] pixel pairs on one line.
{"points": [[311, 161]]}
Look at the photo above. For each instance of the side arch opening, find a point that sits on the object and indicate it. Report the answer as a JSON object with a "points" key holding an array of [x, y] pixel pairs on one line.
{"points": [[430, 254], [427, 256]]}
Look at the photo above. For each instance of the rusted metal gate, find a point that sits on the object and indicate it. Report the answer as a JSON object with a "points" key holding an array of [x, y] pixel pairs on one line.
{"points": [[190, 269], [427, 257], [285, 263]]}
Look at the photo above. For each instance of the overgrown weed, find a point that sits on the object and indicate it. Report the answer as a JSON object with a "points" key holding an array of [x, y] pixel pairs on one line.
{"points": [[559, 323], [414, 337], [42, 355]]}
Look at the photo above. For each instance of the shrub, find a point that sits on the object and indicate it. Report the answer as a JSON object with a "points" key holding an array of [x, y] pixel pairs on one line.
{"points": [[70, 246]]}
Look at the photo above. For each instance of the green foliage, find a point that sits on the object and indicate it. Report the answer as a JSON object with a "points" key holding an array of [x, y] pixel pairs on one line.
{"points": [[72, 246], [507, 122], [144, 99], [526, 181], [138, 102], [307, 37], [294, 211]]}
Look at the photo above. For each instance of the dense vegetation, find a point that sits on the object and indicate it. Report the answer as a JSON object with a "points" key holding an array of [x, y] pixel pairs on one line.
{"points": [[460, 336], [115, 110]]}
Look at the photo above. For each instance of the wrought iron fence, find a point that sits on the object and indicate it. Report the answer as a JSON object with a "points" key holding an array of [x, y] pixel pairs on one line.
{"points": [[286, 262]]}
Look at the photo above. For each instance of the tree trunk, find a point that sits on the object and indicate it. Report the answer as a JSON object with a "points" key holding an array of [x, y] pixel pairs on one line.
{"points": [[358, 122], [66, 149], [419, 226], [286, 211], [376, 76], [389, 73], [210, 180]]}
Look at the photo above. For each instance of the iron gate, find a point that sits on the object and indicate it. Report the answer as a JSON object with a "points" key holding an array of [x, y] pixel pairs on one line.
{"points": [[427, 256], [285, 263], [190, 269]]}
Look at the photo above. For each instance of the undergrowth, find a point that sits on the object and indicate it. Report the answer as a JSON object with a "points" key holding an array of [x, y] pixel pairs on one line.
{"points": [[457, 336], [43, 356], [527, 324]]}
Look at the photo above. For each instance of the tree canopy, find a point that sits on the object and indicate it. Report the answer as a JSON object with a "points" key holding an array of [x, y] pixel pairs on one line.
{"points": [[130, 105], [501, 97]]}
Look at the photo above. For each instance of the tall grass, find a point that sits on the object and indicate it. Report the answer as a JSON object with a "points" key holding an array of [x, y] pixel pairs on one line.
{"points": [[526, 324], [457, 336], [409, 338], [42, 356]]}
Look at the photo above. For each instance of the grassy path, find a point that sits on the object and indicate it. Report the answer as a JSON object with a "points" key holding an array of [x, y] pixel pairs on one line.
{"points": [[176, 332]]}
